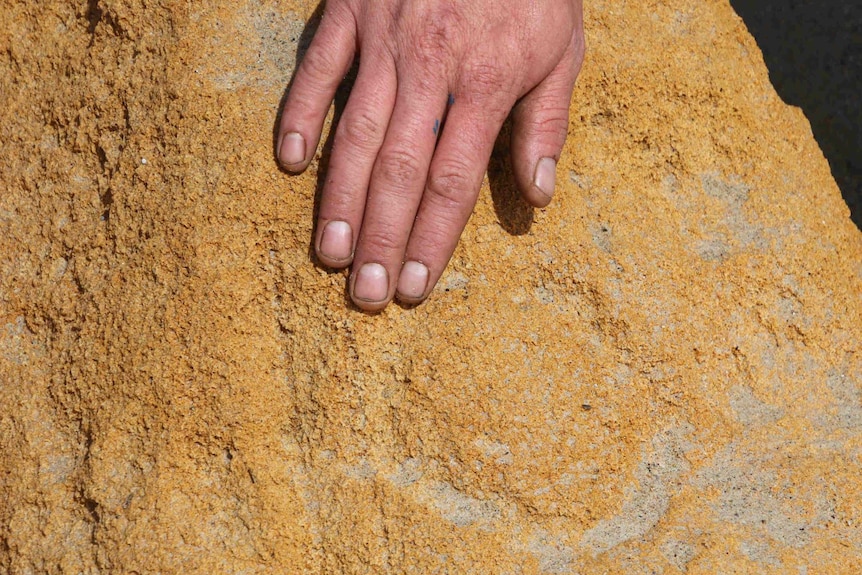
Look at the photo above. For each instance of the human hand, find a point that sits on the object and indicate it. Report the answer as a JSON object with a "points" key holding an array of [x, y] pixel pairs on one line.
{"points": [[401, 185]]}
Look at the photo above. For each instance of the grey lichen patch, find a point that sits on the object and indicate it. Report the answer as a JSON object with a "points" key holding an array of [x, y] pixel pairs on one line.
{"points": [[363, 469], [678, 553], [750, 410], [580, 180], [459, 508], [646, 503], [408, 472], [734, 193], [845, 412], [713, 249], [724, 228], [498, 452], [281, 36], [553, 555], [601, 234], [752, 494], [453, 280], [643, 508], [264, 43], [760, 552], [17, 343], [544, 295]]}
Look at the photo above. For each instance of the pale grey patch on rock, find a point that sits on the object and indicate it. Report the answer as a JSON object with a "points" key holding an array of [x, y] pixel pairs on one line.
{"points": [[499, 452], [734, 193], [646, 503], [621, 376], [669, 184], [18, 343], [601, 234], [713, 249], [553, 555], [760, 552], [846, 410], [58, 268], [750, 411], [362, 470], [56, 469], [408, 472], [280, 34], [453, 281], [544, 295], [271, 47], [750, 494], [327, 454], [459, 508], [678, 553], [580, 180]]}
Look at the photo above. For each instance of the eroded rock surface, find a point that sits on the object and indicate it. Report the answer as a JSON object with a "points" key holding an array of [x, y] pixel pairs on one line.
{"points": [[660, 373]]}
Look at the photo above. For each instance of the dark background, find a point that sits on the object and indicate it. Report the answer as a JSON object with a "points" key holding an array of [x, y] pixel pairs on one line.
{"points": [[813, 50]]}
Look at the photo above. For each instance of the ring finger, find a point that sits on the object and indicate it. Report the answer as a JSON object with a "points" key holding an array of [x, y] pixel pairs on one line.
{"points": [[358, 139], [397, 183]]}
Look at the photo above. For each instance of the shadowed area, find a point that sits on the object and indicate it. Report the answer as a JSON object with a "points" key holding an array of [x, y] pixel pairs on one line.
{"points": [[814, 54], [513, 211]]}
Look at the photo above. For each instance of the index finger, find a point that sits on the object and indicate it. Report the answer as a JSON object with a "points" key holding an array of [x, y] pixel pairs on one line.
{"points": [[322, 69]]}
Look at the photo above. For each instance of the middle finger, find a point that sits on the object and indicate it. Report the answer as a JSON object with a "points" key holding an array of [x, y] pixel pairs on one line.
{"points": [[397, 183]]}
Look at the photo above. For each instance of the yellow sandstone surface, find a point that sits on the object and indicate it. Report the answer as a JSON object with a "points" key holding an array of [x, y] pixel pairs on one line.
{"points": [[660, 373]]}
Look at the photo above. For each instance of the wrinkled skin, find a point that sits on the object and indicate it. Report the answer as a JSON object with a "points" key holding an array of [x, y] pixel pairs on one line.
{"points": [[401, 184]]}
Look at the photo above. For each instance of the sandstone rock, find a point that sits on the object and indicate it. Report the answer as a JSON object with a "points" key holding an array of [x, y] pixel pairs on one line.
{"points": [[660, 373]]}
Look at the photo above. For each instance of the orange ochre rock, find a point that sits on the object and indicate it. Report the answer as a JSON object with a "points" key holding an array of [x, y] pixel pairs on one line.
{"points": [[659, 373]]}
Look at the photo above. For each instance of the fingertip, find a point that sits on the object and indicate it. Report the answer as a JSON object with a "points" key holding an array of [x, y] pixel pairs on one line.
{"points": [[412, 283], [369, 287], [541, 190], [312, 89], [292, 152], [541, 126], [334, 246]]}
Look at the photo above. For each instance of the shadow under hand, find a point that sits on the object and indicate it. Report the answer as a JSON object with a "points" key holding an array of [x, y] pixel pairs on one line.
{"points": [[341, 97], [814, 54], [513, 211]]}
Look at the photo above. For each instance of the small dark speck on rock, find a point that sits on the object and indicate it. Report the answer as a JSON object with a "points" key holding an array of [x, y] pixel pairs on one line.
{"points": [[586, 406]]}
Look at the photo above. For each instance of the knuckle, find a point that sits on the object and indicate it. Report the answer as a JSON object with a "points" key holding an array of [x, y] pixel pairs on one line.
{"points": [[553, 122], [485, 78], [448, 185], [380, 242], [433, 42], [360, 130], [399, 166], [437, 238], [319, 64]]}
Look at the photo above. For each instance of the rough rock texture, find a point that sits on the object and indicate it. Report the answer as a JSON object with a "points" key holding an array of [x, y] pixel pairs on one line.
{"points": [[660, 373]]}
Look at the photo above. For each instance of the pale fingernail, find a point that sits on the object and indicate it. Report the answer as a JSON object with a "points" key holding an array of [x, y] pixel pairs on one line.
{"points": [[336, 243], [413, 280], [292, 149], [371, 284], [545, 177]]}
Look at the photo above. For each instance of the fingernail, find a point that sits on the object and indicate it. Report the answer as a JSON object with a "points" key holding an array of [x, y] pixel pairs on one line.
{"points": [[546, 176], [413, 280], [371, 284], [292, 149], [336, 243]]}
